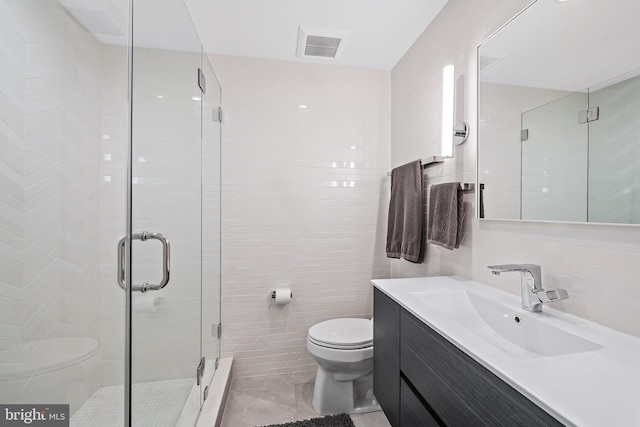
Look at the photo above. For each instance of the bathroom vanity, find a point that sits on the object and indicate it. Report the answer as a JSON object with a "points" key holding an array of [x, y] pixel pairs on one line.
{"points": [[452, 352]]}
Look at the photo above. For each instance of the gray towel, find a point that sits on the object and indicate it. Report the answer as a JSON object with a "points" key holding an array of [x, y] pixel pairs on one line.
{"points": [[405, 228], [445, 215]]}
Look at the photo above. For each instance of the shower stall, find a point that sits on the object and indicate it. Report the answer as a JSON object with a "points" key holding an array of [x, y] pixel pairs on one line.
{"points": [[109, 210]]}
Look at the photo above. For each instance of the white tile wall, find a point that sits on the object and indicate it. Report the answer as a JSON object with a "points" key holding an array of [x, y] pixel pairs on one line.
{"points": [[598, 265], [303, 196]]}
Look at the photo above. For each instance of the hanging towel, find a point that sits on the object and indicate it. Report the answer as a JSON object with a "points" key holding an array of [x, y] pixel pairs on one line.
{"points": [[445, 215], [405, 228]]}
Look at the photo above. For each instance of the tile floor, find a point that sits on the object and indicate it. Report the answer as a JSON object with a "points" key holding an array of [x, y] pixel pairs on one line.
{"points": [[261, 401]]}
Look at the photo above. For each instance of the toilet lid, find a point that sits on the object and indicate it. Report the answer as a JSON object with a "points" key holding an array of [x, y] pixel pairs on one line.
{"points": [[347, 333]]}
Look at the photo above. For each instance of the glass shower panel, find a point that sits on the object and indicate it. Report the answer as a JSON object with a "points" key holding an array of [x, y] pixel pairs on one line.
{"points": [[64, 138], [614, 154], [554, 161], [211, 138], [166, 200]]}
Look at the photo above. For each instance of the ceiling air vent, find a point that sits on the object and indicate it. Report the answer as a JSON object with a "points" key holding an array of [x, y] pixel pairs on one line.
{"points": [[327, 47], [320, 42], [102, 19], [489, 58], [486, 61]]}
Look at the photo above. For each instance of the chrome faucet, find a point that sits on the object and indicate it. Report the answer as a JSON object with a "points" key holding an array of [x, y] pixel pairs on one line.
{"points": [[533, 296]]}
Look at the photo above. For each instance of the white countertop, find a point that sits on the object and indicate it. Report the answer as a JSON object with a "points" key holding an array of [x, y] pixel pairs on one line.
{"points": [[599, 388]]}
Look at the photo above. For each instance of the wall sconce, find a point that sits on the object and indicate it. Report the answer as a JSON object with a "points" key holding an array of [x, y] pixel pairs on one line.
{"points": [[452, 107]]}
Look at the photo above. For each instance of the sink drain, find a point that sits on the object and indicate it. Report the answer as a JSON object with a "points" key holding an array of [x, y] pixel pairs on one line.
{"points": [[517, 319]]}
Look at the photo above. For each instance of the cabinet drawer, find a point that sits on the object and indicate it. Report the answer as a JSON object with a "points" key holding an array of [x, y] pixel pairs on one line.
{"points": [[412, 410], [460, 390], [386, 355]]}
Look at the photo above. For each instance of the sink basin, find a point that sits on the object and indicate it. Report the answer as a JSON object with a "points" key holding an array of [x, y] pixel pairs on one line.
{"points": [[498, 323]]}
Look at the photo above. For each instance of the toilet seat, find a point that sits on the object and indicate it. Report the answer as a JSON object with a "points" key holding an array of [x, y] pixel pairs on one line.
{"points": [[340, 347], [342, 334]]}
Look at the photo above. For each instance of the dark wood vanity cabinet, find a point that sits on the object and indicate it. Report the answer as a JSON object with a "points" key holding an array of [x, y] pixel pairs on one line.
{"points": [[436, 383], [386, 355]]}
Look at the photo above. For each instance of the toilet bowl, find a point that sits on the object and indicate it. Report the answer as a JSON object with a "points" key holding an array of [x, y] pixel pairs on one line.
{"points": [[343, 349]]}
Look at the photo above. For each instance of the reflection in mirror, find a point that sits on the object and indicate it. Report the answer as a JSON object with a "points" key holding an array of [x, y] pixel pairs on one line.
{"points": [[559, 114], [551, 138]]}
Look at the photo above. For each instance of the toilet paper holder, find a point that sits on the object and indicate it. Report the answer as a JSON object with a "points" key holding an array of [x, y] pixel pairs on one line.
{"points": [[273, 294]]}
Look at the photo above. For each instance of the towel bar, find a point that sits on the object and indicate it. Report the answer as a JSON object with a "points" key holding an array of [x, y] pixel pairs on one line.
{"points": [[273, 294], [470, 186], [432, 160]]}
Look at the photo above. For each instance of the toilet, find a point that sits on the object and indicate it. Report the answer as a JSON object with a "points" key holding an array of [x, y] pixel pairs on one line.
{"points": [[343, 349]]}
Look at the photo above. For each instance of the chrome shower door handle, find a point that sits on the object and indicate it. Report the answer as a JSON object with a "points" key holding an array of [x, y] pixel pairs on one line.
{"points": [[120, 268], [166, 261], [144, 236]]}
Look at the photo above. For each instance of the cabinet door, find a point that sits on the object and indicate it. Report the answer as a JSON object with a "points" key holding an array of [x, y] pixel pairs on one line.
{"points": [[459, 390], [386, 355]]}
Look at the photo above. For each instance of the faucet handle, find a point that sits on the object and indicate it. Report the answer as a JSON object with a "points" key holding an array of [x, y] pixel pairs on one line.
{"points": [[552, 295]]}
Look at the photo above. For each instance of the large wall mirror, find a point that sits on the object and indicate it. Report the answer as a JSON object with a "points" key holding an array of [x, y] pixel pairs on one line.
{"points": [[559, 114]]}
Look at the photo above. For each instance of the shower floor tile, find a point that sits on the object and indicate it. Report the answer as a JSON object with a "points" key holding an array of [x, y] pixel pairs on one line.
{"points": [[276, 399], [156, 404]]}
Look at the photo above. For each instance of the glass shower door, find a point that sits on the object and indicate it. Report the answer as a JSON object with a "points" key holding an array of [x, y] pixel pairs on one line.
{"points": [[166, 216], [550, 189], [64, 143]]}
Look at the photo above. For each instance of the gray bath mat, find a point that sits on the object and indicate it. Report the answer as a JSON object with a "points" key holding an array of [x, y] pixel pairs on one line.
{"points": [[340, 420]]}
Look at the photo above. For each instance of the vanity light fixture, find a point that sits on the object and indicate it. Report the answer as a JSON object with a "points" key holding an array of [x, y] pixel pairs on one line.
{"points": [[447, 110], [449, 106]]}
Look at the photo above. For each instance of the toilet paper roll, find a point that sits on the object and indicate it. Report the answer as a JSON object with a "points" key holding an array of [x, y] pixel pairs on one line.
{"points": [[145, 304], [283, 296]]}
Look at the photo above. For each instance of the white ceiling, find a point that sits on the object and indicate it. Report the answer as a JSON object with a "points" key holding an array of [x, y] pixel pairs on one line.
{"points": [[566, 45], [381, 30]]}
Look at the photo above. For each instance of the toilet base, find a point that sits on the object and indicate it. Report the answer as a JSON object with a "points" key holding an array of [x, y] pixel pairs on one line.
{"points": [[331, 396]]}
